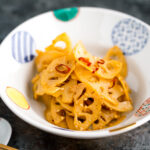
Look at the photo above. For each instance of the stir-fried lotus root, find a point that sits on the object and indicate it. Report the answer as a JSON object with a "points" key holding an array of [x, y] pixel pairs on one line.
{"points": [[105, 69], [55, 114], [37, 88], [61, 38], [105, 117], [70, 122], [81, 91], [87, 107], [114, 92], [115, 53], [56, 73], [45, 58]]}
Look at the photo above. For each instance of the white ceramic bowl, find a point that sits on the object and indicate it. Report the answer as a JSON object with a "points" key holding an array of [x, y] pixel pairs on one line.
{"points": [[99, 29]]}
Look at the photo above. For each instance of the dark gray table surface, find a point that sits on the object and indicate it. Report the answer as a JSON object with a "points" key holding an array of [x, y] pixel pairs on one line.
{"points": [[26, 137]]}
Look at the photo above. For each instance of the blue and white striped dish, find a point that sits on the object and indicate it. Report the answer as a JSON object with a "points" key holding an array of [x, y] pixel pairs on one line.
{"points": [[23, 47]]}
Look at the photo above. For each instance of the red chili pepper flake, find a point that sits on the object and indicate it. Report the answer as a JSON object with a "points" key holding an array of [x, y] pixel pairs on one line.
{"points": [[113, 83], [61, 68], [101, 61], [95, 70], [85, 60]]}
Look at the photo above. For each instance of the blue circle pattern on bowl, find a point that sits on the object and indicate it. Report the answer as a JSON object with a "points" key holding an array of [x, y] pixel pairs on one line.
{"points": [[23, 47], [130, 35]]}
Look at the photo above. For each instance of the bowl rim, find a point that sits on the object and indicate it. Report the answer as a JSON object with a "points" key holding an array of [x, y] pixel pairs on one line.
{"points": [[70, 133]]}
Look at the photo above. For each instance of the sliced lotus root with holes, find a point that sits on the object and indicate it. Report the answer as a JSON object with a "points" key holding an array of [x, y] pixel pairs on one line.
{"points": [[48, 116], [61, 90], [73, 76], [125, 87], [69, 91], [83, 57], [105, 117], [50, 119], [45, 58], [115, 53], [123, 106], [58, 93], [70, 122], [87, 107], [57, 111], [62, 124], [61, 38], [100, 85], [68, 107], [109, 69], [116, 91], [57, 72], [69, 113], [37, 87], [104, 69], [46, 99], [66, 92]]}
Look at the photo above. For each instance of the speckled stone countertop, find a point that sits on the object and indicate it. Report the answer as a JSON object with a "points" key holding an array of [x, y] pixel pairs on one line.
{"points": [[26, 137]]}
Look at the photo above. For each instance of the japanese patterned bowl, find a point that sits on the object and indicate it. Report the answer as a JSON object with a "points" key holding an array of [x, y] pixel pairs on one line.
{"points": [[99, 29]]}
